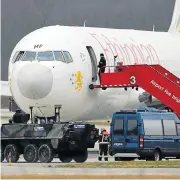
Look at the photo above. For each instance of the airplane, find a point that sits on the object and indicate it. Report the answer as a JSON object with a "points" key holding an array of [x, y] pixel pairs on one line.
{"points": [[56, 64]]}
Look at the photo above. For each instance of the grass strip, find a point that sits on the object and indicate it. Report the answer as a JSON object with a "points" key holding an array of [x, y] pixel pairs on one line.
{"points": [[99, 122], [80, 176], [4, 116], [125, 164]]}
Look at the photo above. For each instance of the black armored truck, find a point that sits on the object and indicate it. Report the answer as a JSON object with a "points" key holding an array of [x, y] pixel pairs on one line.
{"points": [[45, 140]]}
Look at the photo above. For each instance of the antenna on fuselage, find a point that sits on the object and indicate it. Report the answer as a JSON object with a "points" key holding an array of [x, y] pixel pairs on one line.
{"points": [[85, 23], [153, 28]]}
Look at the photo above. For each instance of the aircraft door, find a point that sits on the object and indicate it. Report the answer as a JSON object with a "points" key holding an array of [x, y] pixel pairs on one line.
{"points": [[93, 63]]}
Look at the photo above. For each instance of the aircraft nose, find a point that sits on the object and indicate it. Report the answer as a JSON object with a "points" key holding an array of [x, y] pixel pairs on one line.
{"points": [[35, 81]]}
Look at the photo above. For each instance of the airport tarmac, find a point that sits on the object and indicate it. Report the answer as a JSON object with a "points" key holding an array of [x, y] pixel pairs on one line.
{"points": [[51, 168], [21, 169]]}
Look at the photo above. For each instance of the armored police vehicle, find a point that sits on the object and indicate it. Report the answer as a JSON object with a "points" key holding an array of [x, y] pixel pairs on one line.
{"points": [[150, 133], [45, 140]]}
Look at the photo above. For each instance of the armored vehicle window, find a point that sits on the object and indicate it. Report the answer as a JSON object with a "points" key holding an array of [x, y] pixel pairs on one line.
{"points": [[132, 127], [153, 127], [178, 129], [29, 56], [59, 56], [118, 126], [169, 127], [45, 56], [67, 56]]}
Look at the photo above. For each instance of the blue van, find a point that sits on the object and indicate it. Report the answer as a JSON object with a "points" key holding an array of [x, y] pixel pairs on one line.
{"points": [[150, 133]]}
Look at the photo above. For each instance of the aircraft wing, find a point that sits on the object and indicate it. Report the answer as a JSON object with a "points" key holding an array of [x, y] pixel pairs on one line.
{"points": [[5, 90]]}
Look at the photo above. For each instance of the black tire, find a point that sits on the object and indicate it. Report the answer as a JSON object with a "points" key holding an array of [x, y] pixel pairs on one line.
{"points": [[2, 153], [81, 157], [117, 159], [11, 148], [45, 153], [157, 155], [65, 157], [31, 153]]}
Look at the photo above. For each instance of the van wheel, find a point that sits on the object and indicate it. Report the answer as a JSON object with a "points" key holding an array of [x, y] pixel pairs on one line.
{"points": [[117, 158], [157, 155]]}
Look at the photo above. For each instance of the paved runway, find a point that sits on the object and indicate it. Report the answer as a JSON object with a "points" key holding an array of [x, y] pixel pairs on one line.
{"points": [[51, 168], [44, 169]]}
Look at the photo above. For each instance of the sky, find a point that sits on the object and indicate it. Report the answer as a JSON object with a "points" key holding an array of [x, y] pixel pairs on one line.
{"points": [[20, 17]]}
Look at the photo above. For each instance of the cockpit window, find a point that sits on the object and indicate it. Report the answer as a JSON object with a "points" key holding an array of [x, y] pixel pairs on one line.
{"points": [[67, 56], [18, 55], [29, 56], [45, 56], [59, 56], [63, 56]]}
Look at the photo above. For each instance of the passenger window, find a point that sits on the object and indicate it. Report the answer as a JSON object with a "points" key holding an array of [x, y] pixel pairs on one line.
{"points": [[67, 57], [17, 57], [153, 127], [178, 129], [118, 127], [29, 56], [45, 56], [169, 128], [59, 56], [132, 127]]}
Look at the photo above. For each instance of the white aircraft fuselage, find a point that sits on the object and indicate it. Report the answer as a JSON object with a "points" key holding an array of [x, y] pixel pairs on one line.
{"points": [[43, 84]]}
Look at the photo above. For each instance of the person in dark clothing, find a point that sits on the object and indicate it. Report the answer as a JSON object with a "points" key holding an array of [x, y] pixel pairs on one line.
{"points": [[102, 64], [103, 145]]}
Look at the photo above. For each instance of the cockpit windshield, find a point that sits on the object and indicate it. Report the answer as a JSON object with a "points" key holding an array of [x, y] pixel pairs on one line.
{"points": [[63, 56], [59, 56], [29, 56], [45, 56]]}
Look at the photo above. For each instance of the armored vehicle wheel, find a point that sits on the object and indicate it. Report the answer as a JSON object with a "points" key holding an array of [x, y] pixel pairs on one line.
{"points": [[65, 157], [11, 153], [2, 153], [31, 153], [81, 157], [45, 153]]}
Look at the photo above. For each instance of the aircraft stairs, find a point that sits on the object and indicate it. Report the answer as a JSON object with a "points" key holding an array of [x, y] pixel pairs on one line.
{"points": [[154, 79]]}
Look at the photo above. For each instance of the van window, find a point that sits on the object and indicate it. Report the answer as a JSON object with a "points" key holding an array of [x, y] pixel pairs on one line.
{"points": [[178, 129], [169, 127], [132, 127], [153, 127], [29, 56], [118, 126], [45, 56], [67, 57], [59, 56]]}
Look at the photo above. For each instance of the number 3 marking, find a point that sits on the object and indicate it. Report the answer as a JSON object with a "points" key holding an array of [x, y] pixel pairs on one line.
{"points": [[132, 79]]}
